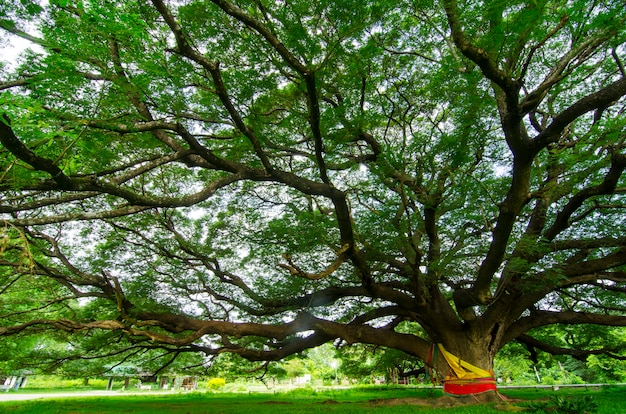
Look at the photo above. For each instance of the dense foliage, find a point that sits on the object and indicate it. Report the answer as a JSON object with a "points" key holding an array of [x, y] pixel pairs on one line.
{"points": [[263, 177]]}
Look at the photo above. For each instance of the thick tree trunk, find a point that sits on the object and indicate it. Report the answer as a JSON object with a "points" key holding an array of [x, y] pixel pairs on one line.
{"points": [[474, 352], [464, 362]]}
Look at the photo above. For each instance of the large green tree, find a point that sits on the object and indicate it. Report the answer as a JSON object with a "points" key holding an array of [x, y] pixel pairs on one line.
{"points": [[262, 177]]}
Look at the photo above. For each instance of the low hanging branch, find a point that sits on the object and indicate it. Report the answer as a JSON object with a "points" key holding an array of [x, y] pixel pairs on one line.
{"points": [[581, 354], [17, 148]]}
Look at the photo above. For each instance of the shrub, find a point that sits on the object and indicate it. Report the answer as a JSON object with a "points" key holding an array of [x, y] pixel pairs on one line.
{"points": [[216, 383], [566, 405]]}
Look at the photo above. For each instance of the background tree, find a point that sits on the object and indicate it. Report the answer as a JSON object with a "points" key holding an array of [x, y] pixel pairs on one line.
{"points": [[263, 177], [369, 364]]}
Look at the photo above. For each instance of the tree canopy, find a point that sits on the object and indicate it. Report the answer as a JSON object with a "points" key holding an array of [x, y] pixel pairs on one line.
{"points": [[263, 177]]}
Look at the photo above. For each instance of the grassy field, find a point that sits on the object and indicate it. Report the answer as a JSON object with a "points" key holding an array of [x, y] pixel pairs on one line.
{"points": [[378, 401]]}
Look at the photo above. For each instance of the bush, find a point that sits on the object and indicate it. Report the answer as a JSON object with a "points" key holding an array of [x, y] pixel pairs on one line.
{"points": [[216, 383], [566, 405], [58, 382]]}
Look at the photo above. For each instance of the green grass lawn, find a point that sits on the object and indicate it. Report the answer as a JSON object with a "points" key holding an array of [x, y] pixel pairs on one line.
{"points": [[611, 400]]}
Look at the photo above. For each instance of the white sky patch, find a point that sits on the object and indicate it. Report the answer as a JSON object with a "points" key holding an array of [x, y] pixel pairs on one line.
{"points": [[196, 213], [502, 170], [12, 46]]}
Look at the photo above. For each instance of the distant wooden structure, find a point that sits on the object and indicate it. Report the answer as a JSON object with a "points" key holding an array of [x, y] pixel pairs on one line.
{"points": [[12, 383]]}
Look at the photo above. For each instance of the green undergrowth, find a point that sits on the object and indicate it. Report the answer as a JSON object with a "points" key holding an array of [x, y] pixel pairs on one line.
{"points": [[379, 401]]}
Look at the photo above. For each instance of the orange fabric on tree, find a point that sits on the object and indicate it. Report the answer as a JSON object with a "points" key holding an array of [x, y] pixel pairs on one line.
{"points": [[467, 379], [469, 386]]}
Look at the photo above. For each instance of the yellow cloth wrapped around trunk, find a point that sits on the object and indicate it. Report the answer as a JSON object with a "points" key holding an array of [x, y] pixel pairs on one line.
{"points": [[463, 369]]}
